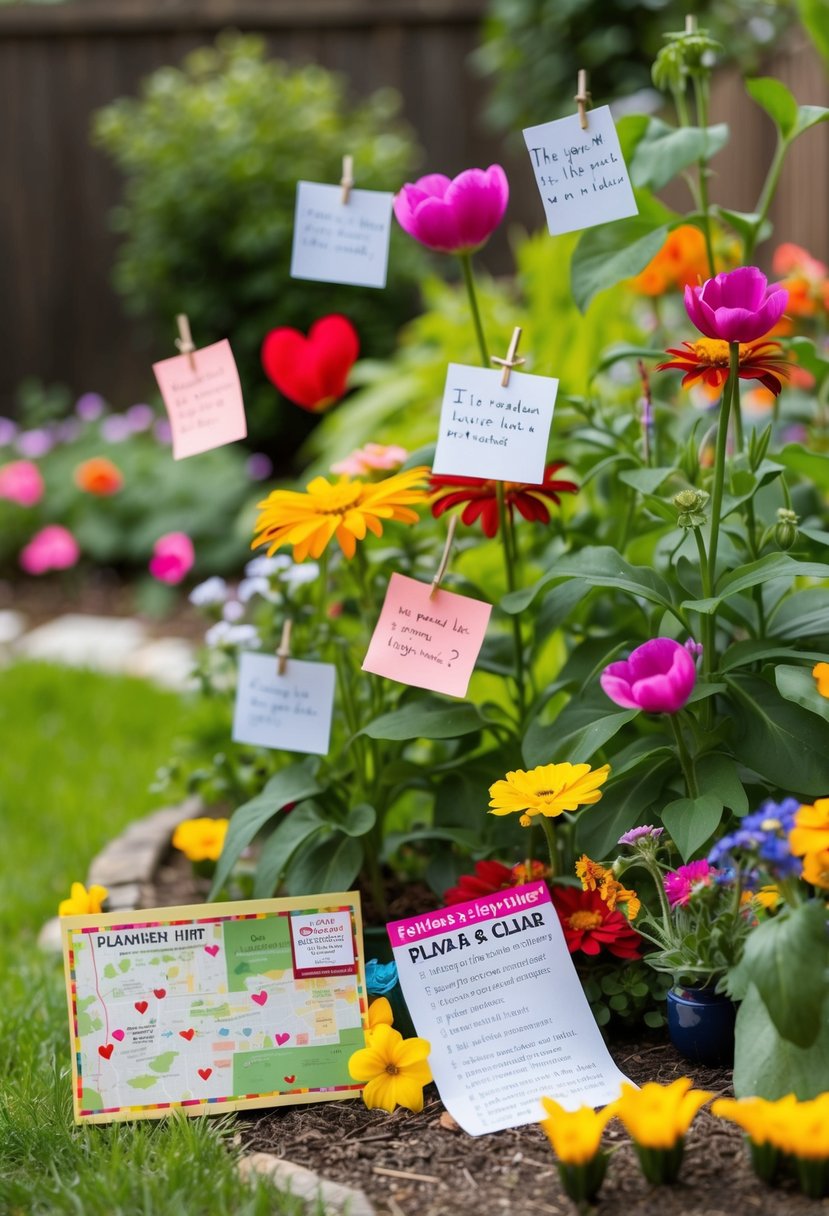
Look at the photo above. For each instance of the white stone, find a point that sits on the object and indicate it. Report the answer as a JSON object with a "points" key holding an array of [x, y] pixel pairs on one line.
{"points": [[99, 642], [12, 625], [314, 1191], [49, 939], [166, 661]]}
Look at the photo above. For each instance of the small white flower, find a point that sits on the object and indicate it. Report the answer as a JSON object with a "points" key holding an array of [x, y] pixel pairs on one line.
{"points": [[249, 587], [225, 634], [211, 591], [297, 576], [263, 567], [233, 610]]}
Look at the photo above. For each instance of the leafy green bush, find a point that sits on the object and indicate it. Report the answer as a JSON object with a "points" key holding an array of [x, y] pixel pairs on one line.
{"points": [[212, 152]]}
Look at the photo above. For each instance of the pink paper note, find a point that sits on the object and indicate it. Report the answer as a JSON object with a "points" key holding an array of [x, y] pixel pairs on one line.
{"points": [[205, 406], [427, 643]]}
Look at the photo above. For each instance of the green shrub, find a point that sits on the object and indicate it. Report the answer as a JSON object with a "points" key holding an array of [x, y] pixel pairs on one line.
{"points": [[212, 152]]}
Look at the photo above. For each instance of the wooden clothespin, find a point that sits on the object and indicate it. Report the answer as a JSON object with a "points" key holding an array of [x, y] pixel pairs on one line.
{"points": [[510, 362], [347, 179], [283, 652], [444, 561], [691, 24], [184, 341], [582, 98]]}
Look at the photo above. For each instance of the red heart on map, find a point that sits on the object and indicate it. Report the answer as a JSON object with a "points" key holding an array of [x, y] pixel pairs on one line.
{"points": [[160, 992], [204, 1073], [187, 1034], [312, 372], [141, 1006], [106, 1052], [290, 1080], [281, 1038], [212, 950], [118, 1034], [259, 997]]}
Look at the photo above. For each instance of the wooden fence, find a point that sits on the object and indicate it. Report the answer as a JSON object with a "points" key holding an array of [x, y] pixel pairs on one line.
{"points": [[60, 319]]}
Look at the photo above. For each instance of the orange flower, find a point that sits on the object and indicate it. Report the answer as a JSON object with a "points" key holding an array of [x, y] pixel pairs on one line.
{"points": [[807, 281], [708, 360], [681, 260], [821, 673], [99, 476]]}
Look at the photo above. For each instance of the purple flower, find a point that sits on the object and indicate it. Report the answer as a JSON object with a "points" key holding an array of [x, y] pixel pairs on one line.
{"points": [[34, 444], [140, 418], [658, 678], [680, 884], [736, 306], [8, 431], [648, 831], [163, 431], [115, 428], [90, 406], [259, 466], [68, 430], [694, 649], [453, 215]]}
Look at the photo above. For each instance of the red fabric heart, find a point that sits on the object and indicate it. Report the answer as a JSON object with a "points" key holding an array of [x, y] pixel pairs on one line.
{"points": [[312, 371]]}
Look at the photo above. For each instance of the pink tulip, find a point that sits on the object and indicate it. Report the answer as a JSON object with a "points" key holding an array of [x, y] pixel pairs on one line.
{"points": [[737, 306], [53, 548], [457, 215], [173, 557], [657, 678], [21, 482]]}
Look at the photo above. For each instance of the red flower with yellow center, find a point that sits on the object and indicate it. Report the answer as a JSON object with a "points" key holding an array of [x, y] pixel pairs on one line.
{"points": [[482, 501], [707, 360], [591, 926]]}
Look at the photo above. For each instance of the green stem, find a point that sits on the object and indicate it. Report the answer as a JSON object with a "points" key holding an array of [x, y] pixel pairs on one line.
{"points": [[551, 844], [469, 279], [707, 634], [719, 480], [734, 354], [684, 758], [701, 99], [766, 196]]}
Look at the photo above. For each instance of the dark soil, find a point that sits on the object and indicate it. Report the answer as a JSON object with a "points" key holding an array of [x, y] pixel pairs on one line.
{"points": [[424, 1165]]}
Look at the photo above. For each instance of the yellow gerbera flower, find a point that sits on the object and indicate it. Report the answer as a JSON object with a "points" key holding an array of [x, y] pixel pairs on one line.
{"points": [[346, 509], [821, 673], [810, 833], [82, 902], [394, 1070], [548, 790], [657, 1116], [575, 1135], [201, 839]]}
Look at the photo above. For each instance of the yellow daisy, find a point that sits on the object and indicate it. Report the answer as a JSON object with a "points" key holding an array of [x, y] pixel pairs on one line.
{"points": [[201, 839], [345, 510], [82, 902], [394, 1070], [810, 833], [548, 790]]}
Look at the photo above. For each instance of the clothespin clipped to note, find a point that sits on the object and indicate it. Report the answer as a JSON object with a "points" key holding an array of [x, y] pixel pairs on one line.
{"points": [[444, 561], [283, 652], [582, 98], [184, 341], [347, 179], [691, 24], [510, 362]]}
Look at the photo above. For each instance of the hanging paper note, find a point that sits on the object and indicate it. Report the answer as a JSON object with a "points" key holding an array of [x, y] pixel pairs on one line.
{"points": [[336, 242], [581, 176], [494, 432], [290, 711], [427, 643], [215, 1007], [203, 398], [491, 985]]}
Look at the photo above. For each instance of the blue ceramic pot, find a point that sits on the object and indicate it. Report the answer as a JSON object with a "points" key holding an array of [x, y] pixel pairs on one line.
{"points": [[701, 1025]]}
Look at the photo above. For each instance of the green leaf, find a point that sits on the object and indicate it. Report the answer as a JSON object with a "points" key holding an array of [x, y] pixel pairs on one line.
{"points": [[809, 356], [292, 784], [743, 654], [809, 116], [610, 253], [663, 151], [292, 831], [802, 615], [599, 566], [782, 742], [617, 353], [776, 100], [764, 570], [717, 774], [465, 838], [427, 719], [768, 1066], [745, 223], [359, 820], [599, 827], [786, 959], [692, 821], [797, 684], [575, 736], [812, 465], [329, 864], [815, 17]]}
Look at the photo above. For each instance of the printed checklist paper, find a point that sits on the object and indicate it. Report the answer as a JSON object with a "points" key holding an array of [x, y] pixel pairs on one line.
{"points": [[203, 399], [491, 985], [214, 1007]]}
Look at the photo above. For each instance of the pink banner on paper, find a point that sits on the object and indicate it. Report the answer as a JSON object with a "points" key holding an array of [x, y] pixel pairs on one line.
{"points": [[427, 643], [203, 399], [473, 912]]}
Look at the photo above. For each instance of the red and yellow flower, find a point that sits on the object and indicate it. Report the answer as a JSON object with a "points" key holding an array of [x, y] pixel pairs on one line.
{"points": [[481, 500], [706, 361], [590, 926]]}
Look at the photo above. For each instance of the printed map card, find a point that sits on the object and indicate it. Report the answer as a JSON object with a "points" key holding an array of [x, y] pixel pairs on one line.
{"points": [[581, 176], [427, 643], [214, 1007], [204, 405], [499, 434], [491, 984], [291, 711], [337, 242]]}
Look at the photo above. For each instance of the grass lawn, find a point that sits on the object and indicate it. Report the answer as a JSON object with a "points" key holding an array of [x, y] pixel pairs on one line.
{"points": [[78, 753]]}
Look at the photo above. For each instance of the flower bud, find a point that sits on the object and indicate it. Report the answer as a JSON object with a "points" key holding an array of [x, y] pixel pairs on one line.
{"points": [[691, 507], [785, 530]]}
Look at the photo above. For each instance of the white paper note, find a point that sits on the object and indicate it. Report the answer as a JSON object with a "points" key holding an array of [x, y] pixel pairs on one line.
{"points": [[581, 176], [336, 242], [496, 433], [491, 985], [291, 711]]}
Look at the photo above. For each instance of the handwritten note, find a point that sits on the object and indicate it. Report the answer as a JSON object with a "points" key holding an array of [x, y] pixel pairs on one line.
{"points": [[336, 242], [291, 711], [204, 405], [491, 985], [427, 643], [581, 176], [493, 432]]}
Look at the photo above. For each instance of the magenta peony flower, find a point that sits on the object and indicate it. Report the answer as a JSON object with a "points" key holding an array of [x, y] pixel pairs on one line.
{"points": [[173, 557], [457, 215], [737, 306], [657, 678], [680, 884], [21, 482], [52, 548]]}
